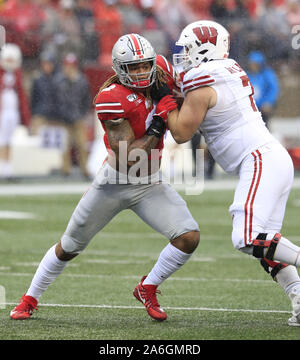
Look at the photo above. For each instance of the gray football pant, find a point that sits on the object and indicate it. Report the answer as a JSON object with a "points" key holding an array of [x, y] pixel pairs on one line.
{"points": [[158, 205]]}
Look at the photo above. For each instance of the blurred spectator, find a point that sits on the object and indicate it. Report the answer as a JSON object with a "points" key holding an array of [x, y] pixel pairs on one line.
{"points": [[23, 20], [220, 12], [89, 37], [251, 6], [132, 17], [66, 36], [274, 30], [200, 9], [73, 103], [238, 23], [151, 21], [152, 29], [293, 12], [109, 25], [14, 107], [180, 14], [43, 106], [242, 10], [265, 83], [51, 23]]}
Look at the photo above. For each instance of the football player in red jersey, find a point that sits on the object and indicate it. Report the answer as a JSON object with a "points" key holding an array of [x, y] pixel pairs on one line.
{"points": [[128, 179]]}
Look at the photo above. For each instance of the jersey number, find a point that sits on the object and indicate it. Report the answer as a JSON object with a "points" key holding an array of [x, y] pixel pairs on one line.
{"points": [[246, 82]]}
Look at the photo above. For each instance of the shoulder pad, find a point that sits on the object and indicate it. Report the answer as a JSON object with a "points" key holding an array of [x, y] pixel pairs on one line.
{"points": [[195, 78], [165, 65], [173, 81], [110, 103]]}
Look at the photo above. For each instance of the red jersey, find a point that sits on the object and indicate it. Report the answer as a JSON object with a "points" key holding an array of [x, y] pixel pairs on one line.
{"points": [[118, 101]]}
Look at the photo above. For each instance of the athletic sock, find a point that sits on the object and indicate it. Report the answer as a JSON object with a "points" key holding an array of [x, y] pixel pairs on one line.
{"points": [[287, 252], [48, 270], [288, 279], [170, 260]]}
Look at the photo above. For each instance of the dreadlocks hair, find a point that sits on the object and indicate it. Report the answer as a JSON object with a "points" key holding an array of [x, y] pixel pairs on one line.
{"points": [[161, 78]]}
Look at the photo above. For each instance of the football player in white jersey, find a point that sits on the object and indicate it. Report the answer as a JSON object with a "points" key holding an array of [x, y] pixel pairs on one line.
{"points": [[218, 101]]}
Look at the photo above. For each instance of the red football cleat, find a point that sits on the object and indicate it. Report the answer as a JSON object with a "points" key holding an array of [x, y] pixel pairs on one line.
{"points": [[25, 308], [146, 294]]}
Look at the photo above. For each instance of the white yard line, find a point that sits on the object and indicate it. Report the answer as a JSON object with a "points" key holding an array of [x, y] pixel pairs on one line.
{"points": [[137, 277], [80, 188], [16, 215], [42, 189], [103, 306]]}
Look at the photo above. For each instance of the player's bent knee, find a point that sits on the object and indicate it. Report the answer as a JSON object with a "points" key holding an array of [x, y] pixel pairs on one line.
{"points": [[62, 254], [263, 246], [187, 242], [237, 239]]}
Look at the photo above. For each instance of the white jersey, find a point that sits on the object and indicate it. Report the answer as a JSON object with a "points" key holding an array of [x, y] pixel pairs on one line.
{"points": [[233, 128]]}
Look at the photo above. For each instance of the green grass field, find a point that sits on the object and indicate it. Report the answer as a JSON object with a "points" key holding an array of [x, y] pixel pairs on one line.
{"points": [[219, 294]]}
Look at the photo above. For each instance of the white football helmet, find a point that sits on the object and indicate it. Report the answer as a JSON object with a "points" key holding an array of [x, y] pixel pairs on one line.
{"points": [[132, 49], [202, 41], [10, 57]]}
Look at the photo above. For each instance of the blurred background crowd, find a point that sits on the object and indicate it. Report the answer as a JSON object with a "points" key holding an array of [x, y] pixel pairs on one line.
{"points": [[62, 50]]}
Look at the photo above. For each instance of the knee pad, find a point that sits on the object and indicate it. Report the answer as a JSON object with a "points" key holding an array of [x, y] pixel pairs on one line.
{"points": [[260, 244], [70, 245], [272, 267]]}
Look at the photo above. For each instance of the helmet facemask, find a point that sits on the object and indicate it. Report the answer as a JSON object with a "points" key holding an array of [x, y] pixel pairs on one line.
{"points": [[184, 61], [140, 80]]}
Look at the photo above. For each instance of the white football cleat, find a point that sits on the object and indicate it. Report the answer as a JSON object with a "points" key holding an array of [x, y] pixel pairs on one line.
{"points": [[295, 299]]}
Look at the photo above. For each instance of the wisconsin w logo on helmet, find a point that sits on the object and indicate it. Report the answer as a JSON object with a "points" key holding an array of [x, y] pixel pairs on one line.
{"points": [[206, 34]]}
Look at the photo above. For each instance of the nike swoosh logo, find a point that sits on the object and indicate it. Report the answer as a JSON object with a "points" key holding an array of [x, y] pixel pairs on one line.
{"points": [[143, 300]]}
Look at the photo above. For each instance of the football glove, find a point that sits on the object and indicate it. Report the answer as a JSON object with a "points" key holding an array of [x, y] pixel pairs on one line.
{"points": [[166, 104], [157, 127]]}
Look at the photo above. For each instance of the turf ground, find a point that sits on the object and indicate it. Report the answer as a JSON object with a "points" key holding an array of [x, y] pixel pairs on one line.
{"points": [[219, 294]]}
